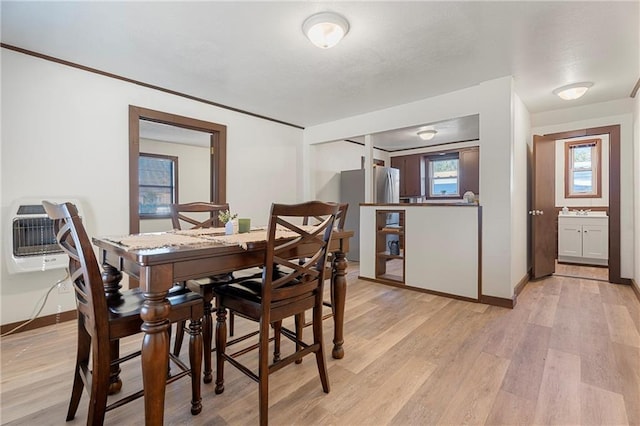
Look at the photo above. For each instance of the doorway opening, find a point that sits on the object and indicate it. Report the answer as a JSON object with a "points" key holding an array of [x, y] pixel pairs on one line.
{"points": [[216, 155], [542, 239], [588, 272]]}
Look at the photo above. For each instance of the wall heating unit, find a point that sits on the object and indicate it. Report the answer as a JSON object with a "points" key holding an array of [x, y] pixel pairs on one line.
{"points": [[33, 245]]}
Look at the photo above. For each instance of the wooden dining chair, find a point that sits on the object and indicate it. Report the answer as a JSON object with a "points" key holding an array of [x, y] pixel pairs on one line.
{"points": [[102, 323], [340, 220], [275, 297], [199, 215]]}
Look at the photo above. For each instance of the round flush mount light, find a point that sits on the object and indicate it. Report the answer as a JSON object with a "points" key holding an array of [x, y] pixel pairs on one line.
{"points": [[427, 135], [572, 91], [325, 29]]}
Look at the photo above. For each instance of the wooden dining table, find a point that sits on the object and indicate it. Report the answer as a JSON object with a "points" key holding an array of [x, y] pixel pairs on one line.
{"points": [[157, 269]]}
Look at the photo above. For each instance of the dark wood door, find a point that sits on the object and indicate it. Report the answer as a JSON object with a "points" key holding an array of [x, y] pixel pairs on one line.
{"points": [[542, 211]]}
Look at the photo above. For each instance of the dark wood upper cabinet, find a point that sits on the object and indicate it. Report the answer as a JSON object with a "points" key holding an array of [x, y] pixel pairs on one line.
{"points": [[410, 167], [470, 170]]}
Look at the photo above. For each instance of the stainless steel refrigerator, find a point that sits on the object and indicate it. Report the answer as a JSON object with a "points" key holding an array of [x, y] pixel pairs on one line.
{"points": [[386, 189]]}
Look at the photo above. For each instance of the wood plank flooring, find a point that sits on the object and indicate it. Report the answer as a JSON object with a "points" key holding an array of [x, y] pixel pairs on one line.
{"points": [[567, 354]]}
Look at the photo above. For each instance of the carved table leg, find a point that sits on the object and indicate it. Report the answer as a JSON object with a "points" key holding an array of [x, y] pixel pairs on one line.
{"points": [[339, 292], [155, 354], [111, 278]]}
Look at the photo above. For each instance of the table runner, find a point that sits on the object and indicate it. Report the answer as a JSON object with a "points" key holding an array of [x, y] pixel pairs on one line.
{"points": [[197, 237]]}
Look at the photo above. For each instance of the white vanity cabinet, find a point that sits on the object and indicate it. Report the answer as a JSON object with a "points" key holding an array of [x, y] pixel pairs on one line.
{"points": [[583, 239]]}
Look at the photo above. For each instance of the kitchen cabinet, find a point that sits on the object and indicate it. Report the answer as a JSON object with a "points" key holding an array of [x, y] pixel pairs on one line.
{"points": [[410, 166], [583, 239], [390, 245], [469, 170]]}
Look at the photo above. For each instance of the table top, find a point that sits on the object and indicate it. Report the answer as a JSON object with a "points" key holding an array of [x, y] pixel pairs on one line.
{"points": [[162, 247]]}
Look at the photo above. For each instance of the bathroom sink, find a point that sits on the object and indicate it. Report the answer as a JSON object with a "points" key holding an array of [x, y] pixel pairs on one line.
{"points": [[583, 213]]}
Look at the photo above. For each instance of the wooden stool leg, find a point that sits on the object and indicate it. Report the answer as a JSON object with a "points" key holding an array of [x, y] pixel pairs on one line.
{"points": [[221, 344], [177, 345], [277, 335], [207, 333], [299, 320], [339, 284], [195, 359], [111, 278], [319, 340], [115, 384], [263, 374], [83, 357]]}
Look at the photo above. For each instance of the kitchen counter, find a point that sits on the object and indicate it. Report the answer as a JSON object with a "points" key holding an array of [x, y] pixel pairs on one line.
{"points": [[456, 204], [439, 247]]}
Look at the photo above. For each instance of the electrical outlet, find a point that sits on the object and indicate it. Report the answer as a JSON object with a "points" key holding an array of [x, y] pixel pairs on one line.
{"points": [[64, 287]]}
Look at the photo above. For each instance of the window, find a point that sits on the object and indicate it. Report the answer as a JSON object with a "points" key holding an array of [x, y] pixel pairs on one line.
{"points": [[582, 169], [158, 181], [443, 176]]}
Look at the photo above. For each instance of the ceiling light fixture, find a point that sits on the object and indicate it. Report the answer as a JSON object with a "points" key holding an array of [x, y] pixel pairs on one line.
{"points": [[325, 29], [572, 91], [427, 135]]}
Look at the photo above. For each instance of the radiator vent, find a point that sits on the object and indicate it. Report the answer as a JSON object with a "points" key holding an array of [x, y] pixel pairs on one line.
{"points": [[33, 241], [34, 236]]}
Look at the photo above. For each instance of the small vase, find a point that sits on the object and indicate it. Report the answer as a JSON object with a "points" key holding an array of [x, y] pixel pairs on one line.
{"points": [[228, 228]]}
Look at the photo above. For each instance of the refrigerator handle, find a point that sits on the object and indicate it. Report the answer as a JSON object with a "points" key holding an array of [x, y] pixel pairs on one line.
{"points": [[391, 187]]}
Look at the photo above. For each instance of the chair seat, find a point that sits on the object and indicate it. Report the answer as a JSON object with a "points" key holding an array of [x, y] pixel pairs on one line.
{"points": [[133, 299], [250, 289], [126, 313]]}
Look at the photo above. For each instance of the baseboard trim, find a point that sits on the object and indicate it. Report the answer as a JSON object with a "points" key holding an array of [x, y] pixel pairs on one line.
{"points": [[519, 287], [490, 300], [498, 301], [625, 281], [636, 288], [40, 322]]}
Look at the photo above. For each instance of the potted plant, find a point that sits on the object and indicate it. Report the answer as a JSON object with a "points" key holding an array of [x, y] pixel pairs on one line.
{"points": [[226, 217]]}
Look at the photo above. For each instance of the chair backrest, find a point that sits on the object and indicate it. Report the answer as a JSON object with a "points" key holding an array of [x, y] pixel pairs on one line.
{"points": [[84, 272], [196, 219], [340, 217], [296, 281]]}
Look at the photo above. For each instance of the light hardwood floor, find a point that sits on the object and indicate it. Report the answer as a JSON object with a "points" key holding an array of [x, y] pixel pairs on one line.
{"points": [[582, 271], [568, 354]]}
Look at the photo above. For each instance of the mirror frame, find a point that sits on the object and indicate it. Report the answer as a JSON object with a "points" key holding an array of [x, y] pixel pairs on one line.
{"points": [[218, 150]]}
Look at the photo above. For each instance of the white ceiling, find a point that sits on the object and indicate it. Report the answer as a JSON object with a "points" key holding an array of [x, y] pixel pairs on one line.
{"points": [[253, 56]]}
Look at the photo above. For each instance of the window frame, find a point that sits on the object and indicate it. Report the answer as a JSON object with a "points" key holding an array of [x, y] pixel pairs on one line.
{"points": [[429, 175], [174, 161], [596, 169]]}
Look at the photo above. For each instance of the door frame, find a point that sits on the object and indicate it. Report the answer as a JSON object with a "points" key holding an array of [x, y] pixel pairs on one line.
{"points": [[615, 275], [218, 154]]}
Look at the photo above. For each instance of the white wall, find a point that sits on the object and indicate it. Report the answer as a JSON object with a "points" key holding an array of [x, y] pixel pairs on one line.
{"points": [[493, 101], [327, 166], [636, 168], [596, 115], [65, 134], [519, 195]]}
